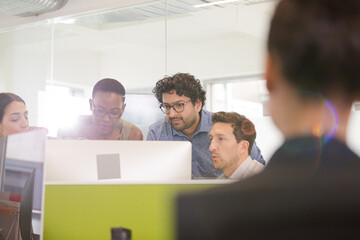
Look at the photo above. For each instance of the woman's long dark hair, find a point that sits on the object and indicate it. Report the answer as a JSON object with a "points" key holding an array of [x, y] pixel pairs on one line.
{"points": [[5, 100]]}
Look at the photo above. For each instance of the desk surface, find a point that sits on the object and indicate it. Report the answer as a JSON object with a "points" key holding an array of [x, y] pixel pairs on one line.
{"points": [[132, 182], [90, 211]]}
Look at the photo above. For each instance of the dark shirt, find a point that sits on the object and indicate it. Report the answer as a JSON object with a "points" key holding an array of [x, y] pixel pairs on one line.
{"points": [[310, 189]]}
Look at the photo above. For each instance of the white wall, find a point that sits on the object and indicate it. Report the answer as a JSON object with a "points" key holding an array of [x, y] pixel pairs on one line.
{"points": [[217, 58], [6, 61], [25, 68], [268, 136], [136, 67], [77, 67]]}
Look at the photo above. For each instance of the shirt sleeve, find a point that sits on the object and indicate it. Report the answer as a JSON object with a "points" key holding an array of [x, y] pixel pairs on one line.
{"points": [[256, 154], [151, 135]]}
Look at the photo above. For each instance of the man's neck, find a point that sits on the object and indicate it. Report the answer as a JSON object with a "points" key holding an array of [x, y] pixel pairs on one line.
{"points": [[230, 169], [189, 132]]}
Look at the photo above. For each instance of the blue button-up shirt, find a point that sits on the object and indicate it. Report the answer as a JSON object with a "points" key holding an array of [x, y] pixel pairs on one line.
{"points": [[202, 164]]}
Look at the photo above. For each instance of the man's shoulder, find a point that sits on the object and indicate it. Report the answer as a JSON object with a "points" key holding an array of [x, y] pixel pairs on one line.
{"points": [[205, 122], [304, 150], [160, 130], [255, 165], [159, 125], [206, 115]]}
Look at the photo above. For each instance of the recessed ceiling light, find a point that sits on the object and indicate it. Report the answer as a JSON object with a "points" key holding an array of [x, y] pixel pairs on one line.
{"points": [[245, 2]]}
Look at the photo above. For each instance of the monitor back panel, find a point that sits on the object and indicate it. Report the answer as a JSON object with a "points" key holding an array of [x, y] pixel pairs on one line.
{"points": [[76, 161]]}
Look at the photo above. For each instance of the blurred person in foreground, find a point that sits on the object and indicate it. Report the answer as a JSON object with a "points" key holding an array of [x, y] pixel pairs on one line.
{"points": [[311, 186]]}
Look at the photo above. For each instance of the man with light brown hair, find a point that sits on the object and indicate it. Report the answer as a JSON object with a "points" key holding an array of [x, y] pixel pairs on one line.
{"points": [[232, 136]]}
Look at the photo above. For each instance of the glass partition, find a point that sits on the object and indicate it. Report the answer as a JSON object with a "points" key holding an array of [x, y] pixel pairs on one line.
{"points": [[54, 64], [222, 45], [25, 63]]}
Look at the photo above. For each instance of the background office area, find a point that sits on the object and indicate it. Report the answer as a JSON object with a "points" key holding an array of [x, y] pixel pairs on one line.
{"points": [[53, 64], [53, 60]]}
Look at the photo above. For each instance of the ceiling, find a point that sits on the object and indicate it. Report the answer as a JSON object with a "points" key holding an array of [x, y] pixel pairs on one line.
{"points": [[72, 7], [103, 29], [232, 36], [143, 10]]}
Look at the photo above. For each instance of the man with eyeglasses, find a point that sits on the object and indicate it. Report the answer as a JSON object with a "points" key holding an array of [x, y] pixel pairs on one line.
{"points": [[105, 123], [182, 98]]}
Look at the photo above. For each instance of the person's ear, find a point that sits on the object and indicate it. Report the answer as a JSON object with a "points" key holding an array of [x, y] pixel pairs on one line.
{"points": [[270, 72], [198, 105], [245, 146]]}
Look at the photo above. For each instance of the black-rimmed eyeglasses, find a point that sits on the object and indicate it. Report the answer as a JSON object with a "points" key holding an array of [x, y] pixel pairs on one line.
{"points": [[101, 112], [178, 107]]}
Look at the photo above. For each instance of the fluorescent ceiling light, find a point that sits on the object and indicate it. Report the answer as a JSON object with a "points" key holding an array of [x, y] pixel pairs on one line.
{"points": [[245, 2], [29, 8], [214, 3]]}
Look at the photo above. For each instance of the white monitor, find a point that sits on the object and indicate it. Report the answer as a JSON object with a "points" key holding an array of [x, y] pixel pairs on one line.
{"points": [[82, 161], [24, 152], [20, 155]]}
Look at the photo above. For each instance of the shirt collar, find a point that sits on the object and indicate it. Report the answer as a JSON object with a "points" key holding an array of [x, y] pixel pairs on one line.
{"points": [[204, 125], [239, 172]]}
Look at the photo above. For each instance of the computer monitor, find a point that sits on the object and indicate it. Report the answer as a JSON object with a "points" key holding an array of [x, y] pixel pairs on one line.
{"points": [[24, 152], [26, 203], [3, 141], [20, 154], [16, 218], [79, 161]]}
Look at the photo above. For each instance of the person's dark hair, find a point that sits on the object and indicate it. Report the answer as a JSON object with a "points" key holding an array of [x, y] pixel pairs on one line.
{"points": [[244, 129], [183, 84], [109, 85], [317, 45], [5, 100]]}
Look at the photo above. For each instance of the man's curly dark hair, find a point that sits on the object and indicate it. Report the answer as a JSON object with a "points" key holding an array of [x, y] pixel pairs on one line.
{"points": [[183, 84]]}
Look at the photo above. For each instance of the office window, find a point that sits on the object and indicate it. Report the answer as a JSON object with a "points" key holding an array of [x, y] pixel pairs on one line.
{"points": [[246, 95], [60, 105]]}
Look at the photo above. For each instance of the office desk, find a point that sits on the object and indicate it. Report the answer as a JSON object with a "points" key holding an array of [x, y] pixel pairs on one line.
{"points": [[89, 211]]}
